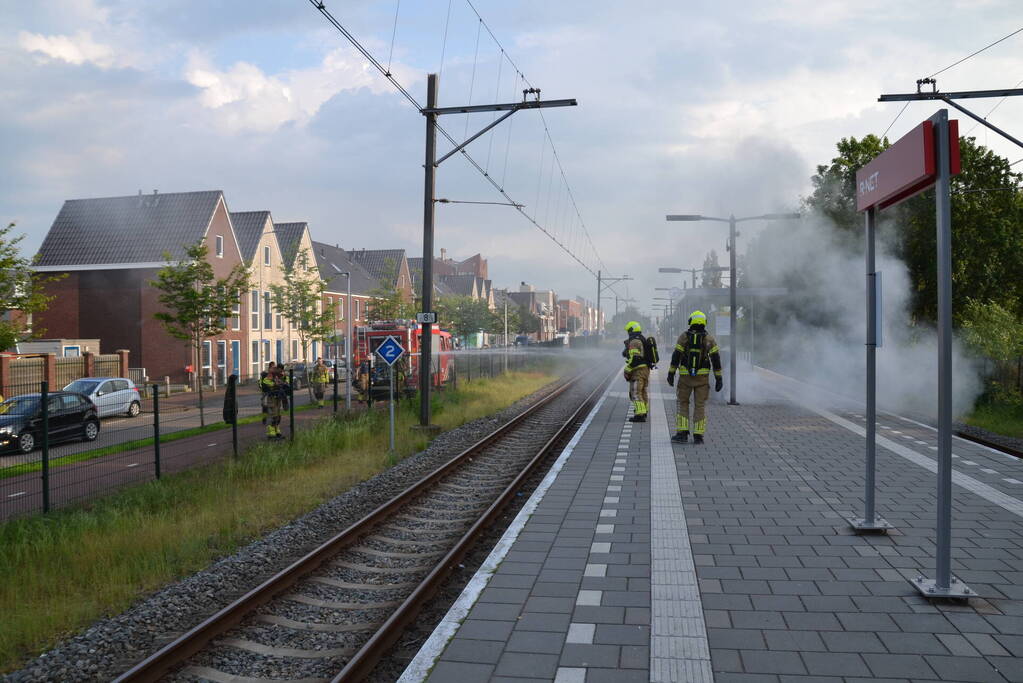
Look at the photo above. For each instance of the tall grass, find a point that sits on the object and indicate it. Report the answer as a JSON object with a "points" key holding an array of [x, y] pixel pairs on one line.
{"points": [[62, 571]]}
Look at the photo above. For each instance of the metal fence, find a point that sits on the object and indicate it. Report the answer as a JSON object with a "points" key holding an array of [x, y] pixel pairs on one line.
{"points": [[144, 435]]}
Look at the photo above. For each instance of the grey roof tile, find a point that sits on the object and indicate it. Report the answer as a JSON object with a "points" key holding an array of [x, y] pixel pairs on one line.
{"points": [[131, 229], [332, 261], [383, 264], [248, 228], [289, 235]]}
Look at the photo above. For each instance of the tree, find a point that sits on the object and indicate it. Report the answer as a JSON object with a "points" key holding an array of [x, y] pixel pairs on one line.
{"points": [[388, 303], [22, 291], [834, 184], [711, 278], [617, 324], [463, 315], [198, 303], [300, 301], [529, 323]]}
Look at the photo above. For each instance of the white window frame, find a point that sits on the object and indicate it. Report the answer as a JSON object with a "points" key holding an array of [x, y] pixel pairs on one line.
{"points": [[219, 246], [236, 313], [254, 313], [268, 314], [254, 361], [266, 255]]}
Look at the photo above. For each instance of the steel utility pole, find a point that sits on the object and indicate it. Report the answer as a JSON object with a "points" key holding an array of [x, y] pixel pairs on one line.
{"points": [[431, 112], [732, 221], [602, 284]]}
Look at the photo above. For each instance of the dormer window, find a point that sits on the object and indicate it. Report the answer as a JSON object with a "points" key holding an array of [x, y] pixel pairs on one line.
{"points": [[220, 246]]}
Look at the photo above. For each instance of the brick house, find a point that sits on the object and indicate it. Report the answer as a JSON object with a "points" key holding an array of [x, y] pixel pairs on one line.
{"points": [[332, 262], [387, 266], [111, 249]]}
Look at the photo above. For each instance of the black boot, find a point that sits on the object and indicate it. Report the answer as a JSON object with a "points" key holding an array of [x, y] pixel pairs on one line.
{"points": [[681, 437], [638, 418], [697, 438]]}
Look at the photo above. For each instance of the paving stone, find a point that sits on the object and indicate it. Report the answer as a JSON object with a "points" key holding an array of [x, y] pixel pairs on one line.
{"points": [[801, 641], [898, 666], [527, 666], [868, 622], [634, 657], [612, 634], [760, 661], [478, 651], [590, 655], [476, 629], [543, 621], [851, 641], [444, 672], [835, 664], [963, 669], [535, 641]]}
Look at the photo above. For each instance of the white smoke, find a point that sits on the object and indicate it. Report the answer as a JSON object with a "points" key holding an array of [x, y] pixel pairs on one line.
{"points": [[819, 332]]}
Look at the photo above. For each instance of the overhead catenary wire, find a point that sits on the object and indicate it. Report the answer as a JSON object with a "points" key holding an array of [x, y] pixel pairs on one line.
{"points": [[974, 54], [992, 109], [322, 9]]}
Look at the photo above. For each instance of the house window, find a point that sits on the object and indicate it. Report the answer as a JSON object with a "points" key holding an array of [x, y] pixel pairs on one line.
{"points": [[356, 313], [294, 349], [255, 310], [340, 308], [220, 246], [268, 316], [255, 359], [266, 256], [280, 321], [207, 353], [266, 350], [236, 313]]}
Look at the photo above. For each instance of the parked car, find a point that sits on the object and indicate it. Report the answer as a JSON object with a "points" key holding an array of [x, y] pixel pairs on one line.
{"points": [[110, 395], [71, 416]]}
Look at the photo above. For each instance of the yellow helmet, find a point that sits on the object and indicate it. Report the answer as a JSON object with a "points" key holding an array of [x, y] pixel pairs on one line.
{"points": [[633, 327], [698, 318]]}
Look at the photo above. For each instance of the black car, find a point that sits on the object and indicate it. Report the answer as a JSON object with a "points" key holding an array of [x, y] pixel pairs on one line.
{"points": [[71, 416]]}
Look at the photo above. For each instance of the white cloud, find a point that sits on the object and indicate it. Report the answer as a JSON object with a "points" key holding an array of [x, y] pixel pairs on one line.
{"points": [[77, 49], [246, 98]]}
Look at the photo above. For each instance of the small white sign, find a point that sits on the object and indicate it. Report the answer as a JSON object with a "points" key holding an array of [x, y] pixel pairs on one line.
{"points": [[722, 324], [427, 317]]}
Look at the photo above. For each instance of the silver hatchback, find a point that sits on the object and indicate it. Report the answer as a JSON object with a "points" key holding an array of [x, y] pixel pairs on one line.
{"points": [[110, 395]]}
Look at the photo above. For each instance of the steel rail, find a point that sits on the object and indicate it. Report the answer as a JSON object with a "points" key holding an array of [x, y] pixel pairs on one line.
{"points": [[153, 667], [365, 660], [1008, 450]]}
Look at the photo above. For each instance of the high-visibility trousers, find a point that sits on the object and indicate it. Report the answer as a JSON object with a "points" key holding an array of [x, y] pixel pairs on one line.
{"points": [[699, 387], [639, 381]]}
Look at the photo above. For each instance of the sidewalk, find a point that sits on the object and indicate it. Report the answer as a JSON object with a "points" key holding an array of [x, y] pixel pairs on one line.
{"points": [[733, 561]]}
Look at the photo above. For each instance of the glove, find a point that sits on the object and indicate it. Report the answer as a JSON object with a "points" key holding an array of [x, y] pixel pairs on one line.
{"points": [[718, 383], [671, 379]]}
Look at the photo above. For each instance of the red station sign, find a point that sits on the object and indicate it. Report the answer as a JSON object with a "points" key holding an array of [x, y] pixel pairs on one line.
{"points": [[907, 167]]}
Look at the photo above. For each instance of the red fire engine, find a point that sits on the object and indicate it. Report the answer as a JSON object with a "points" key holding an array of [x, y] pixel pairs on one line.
{"points": [[408, 334]]}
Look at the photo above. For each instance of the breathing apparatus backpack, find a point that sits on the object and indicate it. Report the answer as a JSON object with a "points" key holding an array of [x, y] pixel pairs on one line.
{"points": [[694, 355], [650, 354]]}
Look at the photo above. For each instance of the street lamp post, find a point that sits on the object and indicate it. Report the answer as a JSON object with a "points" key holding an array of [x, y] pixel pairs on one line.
{"points": [[732, 221], [348, 341]]}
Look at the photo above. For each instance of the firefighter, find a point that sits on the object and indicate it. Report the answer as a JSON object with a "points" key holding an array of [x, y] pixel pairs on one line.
{"points": [[320, 378], [275, 399], [695, 354], [637, 372]]}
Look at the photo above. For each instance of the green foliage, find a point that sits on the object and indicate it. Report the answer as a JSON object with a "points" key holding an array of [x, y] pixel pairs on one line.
{"points": [[992, 330], [834, 184], [198, 303], [987, 237], [300, 301], [21, 291], [529, 323], [463, 315], [388, 303]]}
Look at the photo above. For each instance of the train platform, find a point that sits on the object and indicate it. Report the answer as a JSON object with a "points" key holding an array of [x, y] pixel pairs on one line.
{"points": [[640, 560]]}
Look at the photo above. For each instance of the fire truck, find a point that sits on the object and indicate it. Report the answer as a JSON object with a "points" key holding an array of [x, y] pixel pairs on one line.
{"points": [[408, 333]]}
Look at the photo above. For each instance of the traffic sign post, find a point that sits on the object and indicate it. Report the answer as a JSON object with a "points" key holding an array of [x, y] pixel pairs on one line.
{"points": [[390, 350], [926, 156]]}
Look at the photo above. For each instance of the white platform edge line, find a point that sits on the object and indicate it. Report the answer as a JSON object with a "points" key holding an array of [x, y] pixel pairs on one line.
{"points": [[670, 652], [421, 665], [979, 488]]}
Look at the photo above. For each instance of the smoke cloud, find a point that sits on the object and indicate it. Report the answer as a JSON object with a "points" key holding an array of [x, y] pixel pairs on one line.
{"points": [[817, 331]]}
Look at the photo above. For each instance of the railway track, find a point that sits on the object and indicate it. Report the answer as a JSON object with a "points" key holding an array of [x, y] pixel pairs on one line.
{"points": [[333, 613]]}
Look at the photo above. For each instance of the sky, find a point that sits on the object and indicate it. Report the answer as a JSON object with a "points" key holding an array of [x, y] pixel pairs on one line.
{"points": [[684, 107]]}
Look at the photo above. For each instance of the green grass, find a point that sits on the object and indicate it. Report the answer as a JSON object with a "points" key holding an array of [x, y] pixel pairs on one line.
{"points": [[1000, 418], [24, 468], [65, 570]]}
